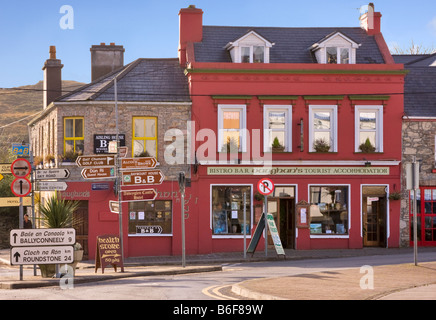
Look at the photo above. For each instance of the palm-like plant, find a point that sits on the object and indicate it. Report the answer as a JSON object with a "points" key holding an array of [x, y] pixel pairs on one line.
{"points": [[58, 212]]}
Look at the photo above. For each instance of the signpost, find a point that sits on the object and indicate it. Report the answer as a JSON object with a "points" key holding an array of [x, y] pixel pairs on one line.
{"points": [[15, 202], [42, 237], [98, 173], [21, 187], [147, 177], [138, 195], [42, 255], [265, 186], [51, 186], [412, 184], [138, 163], [21, 168], [95, 161], [48, 174]]}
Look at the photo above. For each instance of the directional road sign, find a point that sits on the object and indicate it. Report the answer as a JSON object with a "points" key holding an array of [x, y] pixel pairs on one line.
{"points": [[5, 167], [1, 177], [114, 206], [48, 174], [138, 163], [138, 195], [21, 187], [95, 161], [51, 186], [15, 202], [146, 177], [42, 237], [42, 255], [98, 173], [20, 168]]}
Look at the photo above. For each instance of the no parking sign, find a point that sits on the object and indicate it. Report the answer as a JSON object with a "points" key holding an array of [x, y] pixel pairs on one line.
{"points": [[265, 186]]}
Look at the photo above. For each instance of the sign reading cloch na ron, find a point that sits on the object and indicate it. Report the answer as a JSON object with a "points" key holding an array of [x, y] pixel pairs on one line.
{"points": [[298, 171]]}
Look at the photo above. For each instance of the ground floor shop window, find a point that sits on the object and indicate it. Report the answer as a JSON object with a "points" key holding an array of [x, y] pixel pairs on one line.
{"points": [[329, 210], [228, 209], [150, 217]]}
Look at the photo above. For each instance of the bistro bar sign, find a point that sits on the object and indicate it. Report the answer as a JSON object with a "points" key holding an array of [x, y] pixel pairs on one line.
{"points": [[298, 171]]}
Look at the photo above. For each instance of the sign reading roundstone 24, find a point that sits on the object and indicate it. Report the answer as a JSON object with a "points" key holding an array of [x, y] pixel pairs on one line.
{"points": [[108, 252]]}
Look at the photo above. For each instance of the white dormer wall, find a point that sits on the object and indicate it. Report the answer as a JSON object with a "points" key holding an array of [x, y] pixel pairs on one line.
{"points": [[337, 41], [251, 39]]}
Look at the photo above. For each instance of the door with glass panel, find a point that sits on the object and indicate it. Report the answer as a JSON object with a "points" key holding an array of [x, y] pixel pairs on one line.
{"points": [[374, 216]]}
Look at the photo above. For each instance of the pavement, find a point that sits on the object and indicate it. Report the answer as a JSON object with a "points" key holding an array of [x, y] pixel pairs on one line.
{"points": [[391, 282]]}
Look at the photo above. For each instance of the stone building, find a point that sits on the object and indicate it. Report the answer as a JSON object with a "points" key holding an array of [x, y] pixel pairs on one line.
{"points": [[419, 135], [152, 99]]}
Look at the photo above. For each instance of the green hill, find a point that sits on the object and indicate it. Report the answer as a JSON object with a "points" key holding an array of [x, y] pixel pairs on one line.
{"points": [[17, 106]]}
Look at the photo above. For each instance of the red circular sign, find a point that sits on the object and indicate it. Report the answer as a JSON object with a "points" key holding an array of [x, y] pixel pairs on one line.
{"points": [[265, 186], [21, 187], [21, 168]]}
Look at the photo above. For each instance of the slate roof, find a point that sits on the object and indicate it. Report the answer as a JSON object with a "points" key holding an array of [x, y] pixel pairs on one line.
{"points": [[420, 92], [291, 44], [416, 60], [148, 80]]}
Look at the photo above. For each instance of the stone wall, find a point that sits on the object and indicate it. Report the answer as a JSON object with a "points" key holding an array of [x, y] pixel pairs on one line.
{"points": [[418, 141]]}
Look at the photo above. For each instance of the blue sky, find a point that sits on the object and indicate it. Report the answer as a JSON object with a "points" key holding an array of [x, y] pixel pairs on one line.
{"points": [[149, 28]]}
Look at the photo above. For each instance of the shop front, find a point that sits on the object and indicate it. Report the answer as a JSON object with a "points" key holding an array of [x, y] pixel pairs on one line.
{"points": [[348, 207]]}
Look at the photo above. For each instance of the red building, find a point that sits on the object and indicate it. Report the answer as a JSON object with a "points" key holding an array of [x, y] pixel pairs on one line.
{"points": [[317, 110]]}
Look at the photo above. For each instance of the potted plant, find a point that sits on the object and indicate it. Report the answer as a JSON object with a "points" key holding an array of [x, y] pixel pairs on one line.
{"points": [[321, 145], [277, 146], [395, 195], [56, 213], [231, 146], [367, 147]]}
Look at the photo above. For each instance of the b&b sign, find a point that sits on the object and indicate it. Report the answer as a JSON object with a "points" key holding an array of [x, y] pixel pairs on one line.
{"points": [[101, 142]]}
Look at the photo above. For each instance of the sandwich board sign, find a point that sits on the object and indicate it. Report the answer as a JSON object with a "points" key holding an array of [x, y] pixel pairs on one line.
{"points": [[108, 252]]}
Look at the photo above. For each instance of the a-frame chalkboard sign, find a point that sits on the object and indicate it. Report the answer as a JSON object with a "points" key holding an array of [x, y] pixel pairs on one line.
{"points": [[256, 236]]}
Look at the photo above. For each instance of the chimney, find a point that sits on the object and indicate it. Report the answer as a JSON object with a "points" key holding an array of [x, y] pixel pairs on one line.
{"points": [[371, 21], [190, 29], [105, 59], [52, 78]]}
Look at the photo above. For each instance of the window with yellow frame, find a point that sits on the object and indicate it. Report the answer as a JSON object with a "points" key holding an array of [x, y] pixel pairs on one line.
{"points": [[74, 135], [144, 137]]}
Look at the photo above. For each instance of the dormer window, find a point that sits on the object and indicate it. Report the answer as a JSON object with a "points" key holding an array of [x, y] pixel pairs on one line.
{"points": [[335, 55], [253, 54], [336, 48], [250, 48]]}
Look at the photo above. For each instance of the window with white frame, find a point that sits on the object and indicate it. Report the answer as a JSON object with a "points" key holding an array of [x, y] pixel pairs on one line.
{"points": [[277, 128], [231, 128], [323, 130], [253, 54], [337, 55], [369, 129]]}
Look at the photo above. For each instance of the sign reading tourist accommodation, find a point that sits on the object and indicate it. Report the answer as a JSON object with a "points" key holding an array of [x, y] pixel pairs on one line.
{"points": [[95, 161], [138, 195], [108, 252], [42, 255], [98, 173], [5, 167], [48, 174], [138, 163], [298, 171], [147, 177], [42, 237]]}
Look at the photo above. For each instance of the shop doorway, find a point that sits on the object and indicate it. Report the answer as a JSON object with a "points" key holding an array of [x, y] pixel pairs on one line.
{"points": [[374, 216], [80, 224], [281, 205]]}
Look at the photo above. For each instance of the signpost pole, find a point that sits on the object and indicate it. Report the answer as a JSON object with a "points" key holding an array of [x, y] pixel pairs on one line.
{"points": [[182, 183], [118, 173], [245, 228], [415, 220], [21, 224], [266, 225]]}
